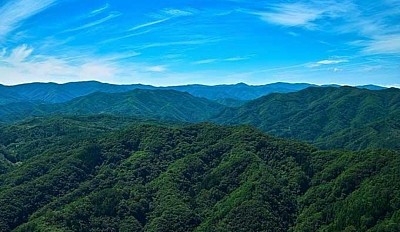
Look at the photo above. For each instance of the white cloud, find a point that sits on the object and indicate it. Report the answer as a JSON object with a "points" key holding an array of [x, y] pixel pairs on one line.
{"points": [[20, 65], [178, 43], [230, 59], [100, 10], [177, 12], [15, 12], [291, 15], [376, 28], [167, 15], [95, 23], [327, 62], [148, 24], [236, 58], [300, 14], [121, 55], [17, 55], [337, 70], [206, 61], [156, 68], [378, 32], [384, 44]]}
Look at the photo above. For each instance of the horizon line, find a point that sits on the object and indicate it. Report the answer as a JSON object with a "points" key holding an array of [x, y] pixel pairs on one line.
{"points": [[210, 85]]}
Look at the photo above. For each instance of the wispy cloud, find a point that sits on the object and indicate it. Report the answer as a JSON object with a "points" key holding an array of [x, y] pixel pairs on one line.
{"points": [[19, 54], [230, 59], [166, 14], [327, 62], [378, 34], [299, 14], [121, 56], [148, 24], [177, 12], [178, 43], [126, 36], [156, 68], [23, 66], [381, 44], [236, 58], [206, 61], [291, 15], [100, 10], [15, 12], [95, 23]]}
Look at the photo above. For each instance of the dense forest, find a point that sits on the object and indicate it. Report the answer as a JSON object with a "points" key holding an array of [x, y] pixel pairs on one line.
{"points": [[152, 160], [345, 117], [103, 173]]}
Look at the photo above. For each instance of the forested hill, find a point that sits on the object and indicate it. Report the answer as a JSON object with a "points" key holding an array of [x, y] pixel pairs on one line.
{"points": [[147, 104], [160, 104], [344, 117], [203, 177]]}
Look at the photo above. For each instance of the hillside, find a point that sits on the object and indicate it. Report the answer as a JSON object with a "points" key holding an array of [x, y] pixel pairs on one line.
{"points": [[23, 140], [343, 117], [352, 192], [196, 178], [147, 104]]}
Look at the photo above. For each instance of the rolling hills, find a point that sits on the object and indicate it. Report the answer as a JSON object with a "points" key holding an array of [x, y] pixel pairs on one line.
{"points": [[344, 117], [148, 104], [149, 177], [339, 117]]}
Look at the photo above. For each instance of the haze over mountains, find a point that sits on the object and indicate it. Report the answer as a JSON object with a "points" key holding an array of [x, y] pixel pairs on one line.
{"points": [[57, 93]]}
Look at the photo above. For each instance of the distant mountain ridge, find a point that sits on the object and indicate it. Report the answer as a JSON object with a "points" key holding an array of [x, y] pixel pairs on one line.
{"points": [[232, 95], [58, 93], [149, 104]]}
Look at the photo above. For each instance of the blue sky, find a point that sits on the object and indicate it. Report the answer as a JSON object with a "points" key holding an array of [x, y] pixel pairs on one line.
{"points": [[177, 42]]}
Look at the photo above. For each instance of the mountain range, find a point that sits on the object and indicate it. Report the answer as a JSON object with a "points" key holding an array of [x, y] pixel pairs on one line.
{"points": [[329, 117], [321, 158], [58, 93]]}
